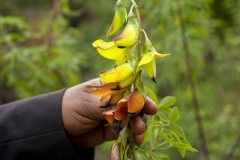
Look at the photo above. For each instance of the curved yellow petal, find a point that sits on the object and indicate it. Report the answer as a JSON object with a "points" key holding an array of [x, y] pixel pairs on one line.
{"points": [[116, 74], [159, 55], [127, 38], [151, 70], [102, 44], [129, 35], [113, 53], [110, 50], [119, 18], [147, 58]]}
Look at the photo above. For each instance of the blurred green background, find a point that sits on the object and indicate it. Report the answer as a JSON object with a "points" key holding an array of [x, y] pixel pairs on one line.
{"points": [[47, 45]]}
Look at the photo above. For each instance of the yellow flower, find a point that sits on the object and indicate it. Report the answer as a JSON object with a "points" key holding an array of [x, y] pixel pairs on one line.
{"points": [[129, 35], [118, 20], [110, 50], [116, 74], [148, 59]]}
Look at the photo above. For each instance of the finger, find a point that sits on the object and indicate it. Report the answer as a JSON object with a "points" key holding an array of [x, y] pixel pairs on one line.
{"points": [[139, 139], [150, 107], [137, 125]]}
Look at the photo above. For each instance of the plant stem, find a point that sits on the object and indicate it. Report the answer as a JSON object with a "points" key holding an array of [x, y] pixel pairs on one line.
{"points": [[132, 143], [195, 103], [49, 38]]}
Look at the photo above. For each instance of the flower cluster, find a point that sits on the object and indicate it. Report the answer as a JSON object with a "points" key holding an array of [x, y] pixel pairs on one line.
{"points": [[122, 84]]}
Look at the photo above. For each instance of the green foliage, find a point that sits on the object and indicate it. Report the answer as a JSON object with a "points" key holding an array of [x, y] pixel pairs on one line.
{"points": [[163, 133], [38, 67]]}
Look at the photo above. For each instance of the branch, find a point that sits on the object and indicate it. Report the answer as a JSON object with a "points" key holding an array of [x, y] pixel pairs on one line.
{"points": [[49, 38], [192, 86]]}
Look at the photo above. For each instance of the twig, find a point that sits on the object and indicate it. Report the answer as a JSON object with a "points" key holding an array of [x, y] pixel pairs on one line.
{"points": [[192, 86], [49, 38]]}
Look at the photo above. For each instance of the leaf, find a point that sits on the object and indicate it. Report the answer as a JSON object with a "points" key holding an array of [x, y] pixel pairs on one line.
{"points": [[174, 115], [165, 112], [178, 130], [183, 146], [167, 102], [182, 152], [175, 136], [165, 137], [152, 94], [154, 136], [124, 135], [153, 123]]}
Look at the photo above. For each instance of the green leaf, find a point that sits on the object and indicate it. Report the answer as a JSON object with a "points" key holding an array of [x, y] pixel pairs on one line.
{"points": [[124, 136], [154, 136], [175, 136], [151, 94], [178, 130], [153, 123], [165, 111], [183, 146], [167, 102], [165, 137], [182, 152], [174, 115]]}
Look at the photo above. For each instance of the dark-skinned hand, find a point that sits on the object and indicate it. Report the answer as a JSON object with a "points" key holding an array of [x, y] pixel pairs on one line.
{"points": [[84, 122]]}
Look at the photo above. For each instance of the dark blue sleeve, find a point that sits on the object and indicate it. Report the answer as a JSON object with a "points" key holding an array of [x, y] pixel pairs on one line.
{"points": [[33, 129]]}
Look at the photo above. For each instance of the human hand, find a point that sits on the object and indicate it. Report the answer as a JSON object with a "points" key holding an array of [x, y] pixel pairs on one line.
{"points": [[84, 122]]}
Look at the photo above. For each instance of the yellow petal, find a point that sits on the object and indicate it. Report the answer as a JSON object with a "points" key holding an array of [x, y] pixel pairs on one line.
{"points": [[113, 53], [158, 55], [110, 50], [147, 58], [116, 74], [151, 70], [118, 20], [102, 44], [129, 35]]}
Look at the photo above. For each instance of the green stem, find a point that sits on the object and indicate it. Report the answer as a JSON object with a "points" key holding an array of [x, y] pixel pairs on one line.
{"points": [[132, 143], [131, 137]]}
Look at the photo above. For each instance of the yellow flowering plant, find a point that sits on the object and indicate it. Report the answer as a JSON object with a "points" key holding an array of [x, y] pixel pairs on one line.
{"points": [[126, 93]]}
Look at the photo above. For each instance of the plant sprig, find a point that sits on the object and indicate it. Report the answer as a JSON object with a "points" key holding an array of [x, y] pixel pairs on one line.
{"points": [[127, 93]]}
